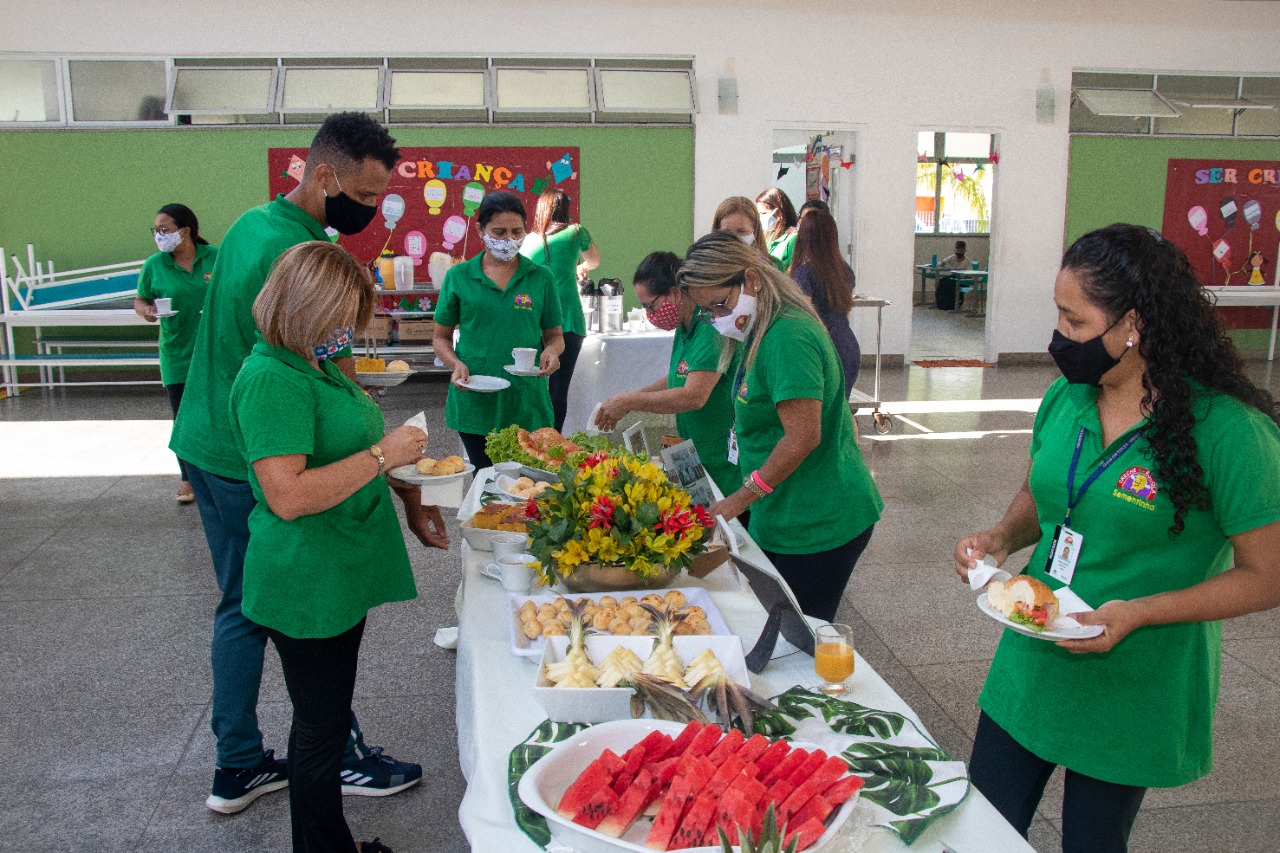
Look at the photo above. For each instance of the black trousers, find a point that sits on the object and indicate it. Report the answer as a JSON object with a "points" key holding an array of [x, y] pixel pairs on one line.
{"points": [[320, 675], [1097, 816], [474, 443], [175, 400], [818, 580], [558, 382]]}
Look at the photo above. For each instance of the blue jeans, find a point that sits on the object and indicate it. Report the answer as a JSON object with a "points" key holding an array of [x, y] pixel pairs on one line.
{"points": [[238, 644]]}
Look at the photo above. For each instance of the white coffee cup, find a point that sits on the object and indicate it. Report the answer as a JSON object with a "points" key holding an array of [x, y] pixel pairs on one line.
{"points": [[164, 306], [511, 469], [509, 545], [523, 357], [512, 571]]}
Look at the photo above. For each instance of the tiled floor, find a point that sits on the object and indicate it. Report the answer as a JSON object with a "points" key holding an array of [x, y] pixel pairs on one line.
{"points": [[106, 594]]}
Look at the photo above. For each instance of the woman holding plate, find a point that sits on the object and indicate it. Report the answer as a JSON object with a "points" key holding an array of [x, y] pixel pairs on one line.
{"points": [[1155, 465], [698, 385], [813, 502], [325, 543], [499, 301]]}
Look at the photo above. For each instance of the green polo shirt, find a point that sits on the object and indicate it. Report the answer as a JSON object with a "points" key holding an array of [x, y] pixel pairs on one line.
{"points": [[561, 254], [493, 321], [317, 575], [782, 249], [161, 277], [830, 499], [694, 349], [202, 432], [1141, 714]]}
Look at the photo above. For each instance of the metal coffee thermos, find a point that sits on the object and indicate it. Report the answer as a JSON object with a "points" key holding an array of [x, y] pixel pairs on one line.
{"points": [[589, 294], [611, 296]]}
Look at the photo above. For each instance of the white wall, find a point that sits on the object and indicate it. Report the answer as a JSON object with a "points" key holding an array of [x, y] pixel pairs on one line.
{"points": [[885, 69]]}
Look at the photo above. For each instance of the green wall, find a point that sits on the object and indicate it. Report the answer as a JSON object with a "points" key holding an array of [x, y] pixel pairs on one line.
{"points": [[1122, 178], [88, 197]]}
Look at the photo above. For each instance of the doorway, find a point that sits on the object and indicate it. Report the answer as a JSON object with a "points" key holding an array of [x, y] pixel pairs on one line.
{"points": [[955, 180], [810, 163]]}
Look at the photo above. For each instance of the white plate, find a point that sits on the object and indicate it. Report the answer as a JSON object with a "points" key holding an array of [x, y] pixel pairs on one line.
{"points": [[517, 371], [160, 315], [485, 384], [1062, 628], [409, 474], [504, 484], [550, 776], [382, 379], [524, 647]]}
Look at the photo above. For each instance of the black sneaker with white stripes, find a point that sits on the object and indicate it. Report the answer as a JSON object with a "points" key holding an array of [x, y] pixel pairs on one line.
{"points": [[234, 790], [377, 774]]}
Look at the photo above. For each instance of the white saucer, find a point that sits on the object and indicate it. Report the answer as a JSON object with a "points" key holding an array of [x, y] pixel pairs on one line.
{"points": [[485, 384], [382, 379], [518, 371], [165, 314], [1062, 628]]}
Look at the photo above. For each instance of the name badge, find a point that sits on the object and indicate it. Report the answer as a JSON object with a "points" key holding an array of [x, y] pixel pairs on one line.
{"points": [[732, 451], [1065, 553]]}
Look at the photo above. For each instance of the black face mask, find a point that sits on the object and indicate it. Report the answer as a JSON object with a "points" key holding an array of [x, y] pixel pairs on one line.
{"points": [[347, 215], [1082, 363]]}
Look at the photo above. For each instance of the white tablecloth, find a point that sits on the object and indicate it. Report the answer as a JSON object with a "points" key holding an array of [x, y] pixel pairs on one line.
{"points": [[496, 711], [611, 363]]}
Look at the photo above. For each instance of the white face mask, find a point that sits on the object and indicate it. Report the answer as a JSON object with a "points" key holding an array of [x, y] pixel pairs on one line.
{"points": [[737, 324], [749, 239], [168, 241], [504, 249], [768, 220]]}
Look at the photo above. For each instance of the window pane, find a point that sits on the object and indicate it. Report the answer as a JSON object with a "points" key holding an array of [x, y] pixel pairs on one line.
{"points": [[437, 88], [29, 90], [117, 90], [924, 143], [227, 90], [968, 144], [646, 90], [1085, 120], [329, 89], [538, 89], [1260, 122], [966, 199], [1214, 122]]}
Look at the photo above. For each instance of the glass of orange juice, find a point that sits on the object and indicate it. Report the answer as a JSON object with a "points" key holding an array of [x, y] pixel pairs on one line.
{"points": [[833, 658]]}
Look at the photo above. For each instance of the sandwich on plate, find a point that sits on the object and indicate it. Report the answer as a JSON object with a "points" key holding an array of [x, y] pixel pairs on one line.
{"points": [[1024, 600]]}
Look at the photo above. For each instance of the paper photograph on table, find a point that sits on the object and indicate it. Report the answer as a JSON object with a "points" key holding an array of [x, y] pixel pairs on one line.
{"points": [[685, 469], [634, 439]]}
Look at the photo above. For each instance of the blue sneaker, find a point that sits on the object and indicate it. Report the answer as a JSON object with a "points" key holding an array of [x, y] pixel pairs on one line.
{"points": [[234, 790], [377, 774]]}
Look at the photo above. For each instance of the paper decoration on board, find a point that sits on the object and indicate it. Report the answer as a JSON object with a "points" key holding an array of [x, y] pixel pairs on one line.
{"points": [[472, 195], [415, 246], [562, 169], [1256, 260], [455, 228], [434, 193], [296, 167], [1253, 214], [1222, 253], [782, 171], [1228, 210], [1199, 220], [392, 209]]}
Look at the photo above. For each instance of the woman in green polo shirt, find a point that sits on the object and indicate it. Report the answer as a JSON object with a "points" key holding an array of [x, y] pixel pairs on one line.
{"points": [[813, 502], [778, 219], [1161, 460], [325, 544], [499, 301], [567, 251], [697, 387], [180, 273]]}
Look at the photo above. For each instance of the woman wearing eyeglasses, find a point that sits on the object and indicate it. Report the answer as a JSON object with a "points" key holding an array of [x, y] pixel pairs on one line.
{"points": [[179, 272], [812, 500], [698, 385]]}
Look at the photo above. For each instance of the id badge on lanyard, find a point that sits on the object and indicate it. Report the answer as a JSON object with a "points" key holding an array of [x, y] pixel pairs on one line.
{"points": [[1064, 551], [731, 453]]}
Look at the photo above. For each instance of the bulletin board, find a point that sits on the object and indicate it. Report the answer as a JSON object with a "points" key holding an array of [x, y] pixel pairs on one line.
{"points": [[431, 202], [1225, 214]]}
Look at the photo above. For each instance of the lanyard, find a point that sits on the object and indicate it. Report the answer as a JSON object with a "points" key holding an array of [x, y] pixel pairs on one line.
{"points": [[1074, 497]]}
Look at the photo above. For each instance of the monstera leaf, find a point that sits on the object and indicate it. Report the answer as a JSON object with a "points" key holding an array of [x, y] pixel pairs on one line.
{"points": [[900, 779], [522, 758]]}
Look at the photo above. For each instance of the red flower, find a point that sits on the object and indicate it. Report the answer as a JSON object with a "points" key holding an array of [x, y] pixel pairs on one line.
{"points": [[704, 517], [602, 513], [531, 509], [674, 523], [593, 460]]}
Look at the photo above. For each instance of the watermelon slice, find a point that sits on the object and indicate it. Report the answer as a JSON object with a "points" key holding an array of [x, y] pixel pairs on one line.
{"points": [[629, 807], [727, 746], [633, 759], [664, 771], [779, 792], [654, 746], [620, 784], [683, 740], [583, 788], [602, 804], [611, 762], [705, 741], [669, 814], [694, 824], [769, 759], [843, 790], [808, 832], [821, 779], [807, 768], [817, 808], [724, 775], [783, 768], [754, 747]]}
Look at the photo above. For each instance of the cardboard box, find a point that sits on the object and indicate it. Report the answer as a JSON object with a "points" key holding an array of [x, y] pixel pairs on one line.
{"points": [[417, 330], [379, 329]]}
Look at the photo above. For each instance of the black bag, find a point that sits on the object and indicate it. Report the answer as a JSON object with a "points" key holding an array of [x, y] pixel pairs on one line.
{"points": [[945, 294]]}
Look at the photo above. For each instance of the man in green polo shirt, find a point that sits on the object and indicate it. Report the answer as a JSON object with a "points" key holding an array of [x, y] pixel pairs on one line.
{"points": [[348, 167]]}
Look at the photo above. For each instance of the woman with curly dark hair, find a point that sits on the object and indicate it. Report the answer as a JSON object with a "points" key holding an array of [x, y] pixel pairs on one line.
{"points": [[1154, 492]]}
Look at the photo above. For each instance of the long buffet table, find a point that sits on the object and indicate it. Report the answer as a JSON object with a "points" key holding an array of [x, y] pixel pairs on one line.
{"points": [[496, 709]]}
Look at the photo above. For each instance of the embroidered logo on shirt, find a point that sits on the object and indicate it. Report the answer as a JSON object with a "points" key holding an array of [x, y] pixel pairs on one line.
{"points": [[1138, 487], [523, 301], [682, 368]]}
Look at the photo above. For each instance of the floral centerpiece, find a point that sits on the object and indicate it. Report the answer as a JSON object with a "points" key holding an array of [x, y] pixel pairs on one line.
{"points": [[615, 509]]}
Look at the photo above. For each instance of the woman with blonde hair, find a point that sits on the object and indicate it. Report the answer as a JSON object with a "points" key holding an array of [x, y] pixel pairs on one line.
{"points": [[325, 544], [813, 502], [778, 219], [737, 215]]}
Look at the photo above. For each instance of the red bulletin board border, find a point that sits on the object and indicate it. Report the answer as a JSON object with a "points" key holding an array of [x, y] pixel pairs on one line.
{"points": [[1225, 214], [438, 191]]}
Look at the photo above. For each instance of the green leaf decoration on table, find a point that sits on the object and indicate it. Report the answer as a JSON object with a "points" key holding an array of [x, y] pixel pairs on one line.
{"points": [[773, 724], [535, 746]]}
